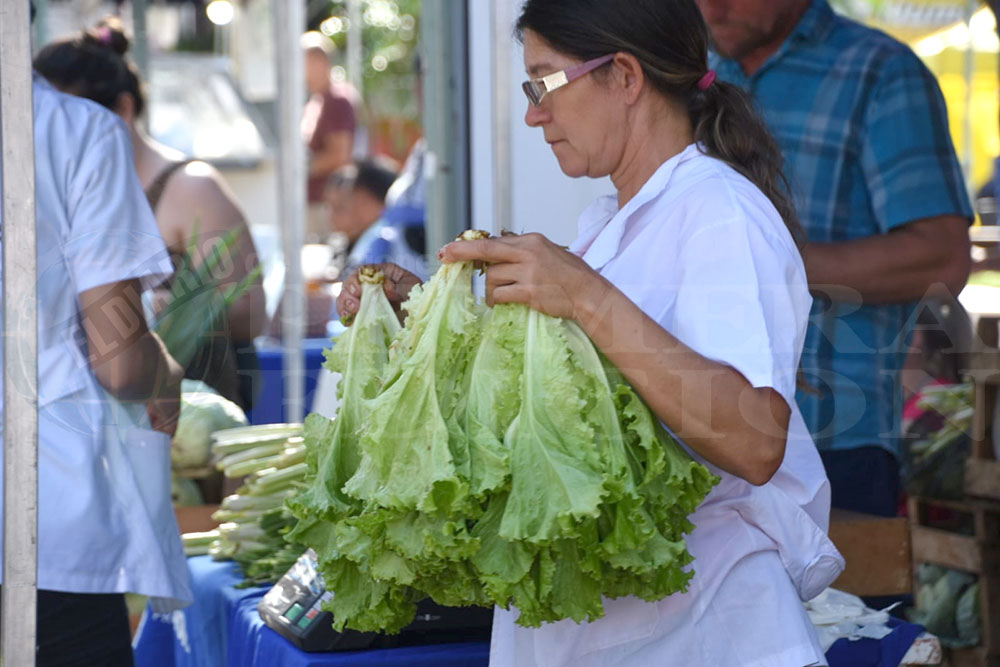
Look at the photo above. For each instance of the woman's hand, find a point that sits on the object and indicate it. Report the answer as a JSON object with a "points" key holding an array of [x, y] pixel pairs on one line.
{"points": [[532, 270], [397, 285], [164, 410]]}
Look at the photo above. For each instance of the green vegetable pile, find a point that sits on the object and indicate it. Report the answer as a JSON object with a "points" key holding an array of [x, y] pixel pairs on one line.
{"points": [[937, 443], [270, 459], [488, 456]]}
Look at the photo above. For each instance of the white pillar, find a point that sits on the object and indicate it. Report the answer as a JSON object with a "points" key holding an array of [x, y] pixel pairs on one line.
{"points": [[355, 50], [20, 341], [444, 28], [289, 23]]}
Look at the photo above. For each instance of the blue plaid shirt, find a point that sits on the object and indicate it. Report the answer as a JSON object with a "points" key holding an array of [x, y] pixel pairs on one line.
{"points": [[864, 131]]}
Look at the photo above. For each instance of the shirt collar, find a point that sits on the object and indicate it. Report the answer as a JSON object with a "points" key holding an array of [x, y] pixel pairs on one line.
{"points": [[812, 28], [603, 225], [815, 24]]}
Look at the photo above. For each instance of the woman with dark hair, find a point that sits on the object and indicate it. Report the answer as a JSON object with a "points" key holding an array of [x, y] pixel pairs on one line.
{"points": [[690, 281], [188, 197]]}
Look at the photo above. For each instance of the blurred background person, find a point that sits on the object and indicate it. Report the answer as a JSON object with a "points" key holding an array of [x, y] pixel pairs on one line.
{"points": [[355, 195], [403, 239], [356, 198], [882, 198], [329, 125], [188, 197]]}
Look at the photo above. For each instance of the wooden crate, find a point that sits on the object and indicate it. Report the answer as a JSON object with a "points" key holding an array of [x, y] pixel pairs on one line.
{"points": [[978, 552], [876, 550]]}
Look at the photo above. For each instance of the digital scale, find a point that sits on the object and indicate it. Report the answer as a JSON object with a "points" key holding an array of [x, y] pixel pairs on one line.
{"points": [[292, 609]]}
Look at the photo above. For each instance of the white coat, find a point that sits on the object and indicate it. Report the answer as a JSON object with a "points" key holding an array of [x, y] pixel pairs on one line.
{"points": [[106, 523], [705, 254]]}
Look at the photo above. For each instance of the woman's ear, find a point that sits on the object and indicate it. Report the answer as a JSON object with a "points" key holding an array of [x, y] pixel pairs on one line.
{"points": [[628, 76], [125, 107]]}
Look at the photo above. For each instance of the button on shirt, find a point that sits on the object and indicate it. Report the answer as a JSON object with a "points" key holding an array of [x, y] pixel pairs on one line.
{"points": [[864, 131], [704, 253], [105, 519]]}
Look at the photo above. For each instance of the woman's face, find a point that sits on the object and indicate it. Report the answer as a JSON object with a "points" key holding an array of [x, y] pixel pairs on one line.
{"points": [[582, 121]]}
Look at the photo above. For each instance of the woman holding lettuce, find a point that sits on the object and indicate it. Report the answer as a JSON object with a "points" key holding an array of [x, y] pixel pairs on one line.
{"points": [[690, 281]]}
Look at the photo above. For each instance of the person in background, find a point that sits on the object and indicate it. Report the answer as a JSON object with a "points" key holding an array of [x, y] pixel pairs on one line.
{"points": [[356, 197], [689, 280], [880, 193], [188, 197], [939, 351], [329, 124], [403, 238], [105, 523]]}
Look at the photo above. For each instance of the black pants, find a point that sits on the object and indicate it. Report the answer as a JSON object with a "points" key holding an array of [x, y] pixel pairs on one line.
{"points": [[83, 630], [865, 479]]}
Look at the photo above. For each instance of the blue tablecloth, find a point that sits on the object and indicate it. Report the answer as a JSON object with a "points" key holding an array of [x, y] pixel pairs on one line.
{"points": [[886, 652], [223, 628], [269, 406]]}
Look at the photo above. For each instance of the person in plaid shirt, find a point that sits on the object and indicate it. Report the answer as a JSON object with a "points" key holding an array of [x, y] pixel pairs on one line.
{"points": [[877, 185]]}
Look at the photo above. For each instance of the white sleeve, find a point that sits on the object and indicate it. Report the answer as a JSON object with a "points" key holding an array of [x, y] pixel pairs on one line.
{"points": [[742, 301], [112, 232]]}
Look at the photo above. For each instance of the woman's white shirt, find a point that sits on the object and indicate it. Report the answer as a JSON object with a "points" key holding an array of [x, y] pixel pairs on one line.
{"points": [[704, 253], [105, 520]]}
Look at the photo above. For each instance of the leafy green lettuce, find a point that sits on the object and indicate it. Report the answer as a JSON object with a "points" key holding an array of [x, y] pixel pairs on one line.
{"points": [[501, 461], [360, 355]]}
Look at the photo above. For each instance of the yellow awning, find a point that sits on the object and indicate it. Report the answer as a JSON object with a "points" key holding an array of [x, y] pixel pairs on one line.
{"points": [[910, 20]]}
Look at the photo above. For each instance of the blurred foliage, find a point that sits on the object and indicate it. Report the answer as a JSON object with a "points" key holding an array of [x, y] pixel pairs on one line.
{"points": [[390, 39]]}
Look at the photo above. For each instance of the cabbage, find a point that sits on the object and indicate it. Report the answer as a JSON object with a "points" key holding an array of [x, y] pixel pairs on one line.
{"points": [[185, 492], [203, 412]]}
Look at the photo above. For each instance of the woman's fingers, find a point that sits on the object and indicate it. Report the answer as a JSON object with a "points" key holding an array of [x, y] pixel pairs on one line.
{"points": [[491, 251], [349, 299], [397, 285]]}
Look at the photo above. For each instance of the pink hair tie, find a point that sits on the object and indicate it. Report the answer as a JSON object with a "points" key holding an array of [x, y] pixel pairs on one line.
{"points": [[707, 80], [104, 35]]}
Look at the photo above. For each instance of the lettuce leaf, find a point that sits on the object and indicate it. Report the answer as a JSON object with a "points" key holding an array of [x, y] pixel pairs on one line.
{"points": [[332, 451], [415, 453]]}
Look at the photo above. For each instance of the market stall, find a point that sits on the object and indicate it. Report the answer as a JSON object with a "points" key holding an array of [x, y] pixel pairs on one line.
{"points": [[440, 491], [224, 629]]}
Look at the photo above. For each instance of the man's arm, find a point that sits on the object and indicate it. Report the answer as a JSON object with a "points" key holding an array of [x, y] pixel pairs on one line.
{"points": [[128, 359], [903, 265], [335, 153]]}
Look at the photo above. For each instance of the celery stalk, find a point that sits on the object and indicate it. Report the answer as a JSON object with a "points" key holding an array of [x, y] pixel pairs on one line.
{"points": [[277, 479], [258, 452], [246, 467]]}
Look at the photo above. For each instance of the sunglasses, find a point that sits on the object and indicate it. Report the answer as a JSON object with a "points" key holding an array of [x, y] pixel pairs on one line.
{"points": [[536, 89]]}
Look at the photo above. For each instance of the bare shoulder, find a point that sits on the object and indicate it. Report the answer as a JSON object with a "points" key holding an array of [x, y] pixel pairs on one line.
{"points": [[200, 179], [199, 192]]}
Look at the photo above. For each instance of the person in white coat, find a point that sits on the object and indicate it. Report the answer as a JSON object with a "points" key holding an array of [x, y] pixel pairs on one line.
{"points": [[108, 391], [690, 281]]}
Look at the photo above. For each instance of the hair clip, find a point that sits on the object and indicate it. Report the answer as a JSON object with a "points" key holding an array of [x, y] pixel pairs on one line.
{"points": [[104, 35]]}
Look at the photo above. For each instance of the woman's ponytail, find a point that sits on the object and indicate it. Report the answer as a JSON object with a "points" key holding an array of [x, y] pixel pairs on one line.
{"points": [[730, 129]]}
